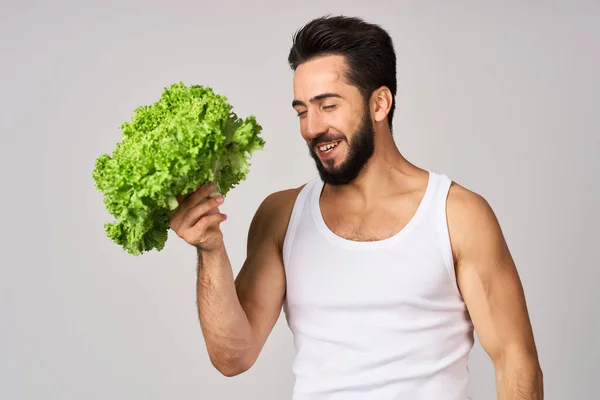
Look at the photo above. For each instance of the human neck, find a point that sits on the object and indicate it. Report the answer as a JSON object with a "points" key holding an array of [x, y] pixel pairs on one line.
{"points": [[386, 171]]}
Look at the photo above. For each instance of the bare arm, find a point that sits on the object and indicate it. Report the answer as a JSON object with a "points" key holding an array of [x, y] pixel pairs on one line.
{"points": [[227, 331], [236, 317], [261, 282], [492, 290]]}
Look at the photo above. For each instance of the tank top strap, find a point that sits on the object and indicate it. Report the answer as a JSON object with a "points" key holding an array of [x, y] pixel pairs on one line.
{"points": [[439, 221], [300, 203]]}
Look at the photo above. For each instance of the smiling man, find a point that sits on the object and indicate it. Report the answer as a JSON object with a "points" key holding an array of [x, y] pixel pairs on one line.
{"points": [[384, 270]]}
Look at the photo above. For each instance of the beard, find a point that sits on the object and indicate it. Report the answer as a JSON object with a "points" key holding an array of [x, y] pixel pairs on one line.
{"points": [[359, 152]]}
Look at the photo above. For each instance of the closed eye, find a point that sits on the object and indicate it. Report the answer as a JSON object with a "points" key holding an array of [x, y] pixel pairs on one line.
{"points": [[329, 107]]}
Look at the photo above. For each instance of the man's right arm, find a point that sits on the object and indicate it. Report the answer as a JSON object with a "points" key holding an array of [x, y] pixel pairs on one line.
{"points": [[237, 315]]}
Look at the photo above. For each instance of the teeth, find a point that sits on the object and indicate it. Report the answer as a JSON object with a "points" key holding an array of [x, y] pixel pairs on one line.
{"points": [[327, 147]]}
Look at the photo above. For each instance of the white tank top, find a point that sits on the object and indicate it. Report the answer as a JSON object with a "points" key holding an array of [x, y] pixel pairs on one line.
{"points": [[376, 320]]}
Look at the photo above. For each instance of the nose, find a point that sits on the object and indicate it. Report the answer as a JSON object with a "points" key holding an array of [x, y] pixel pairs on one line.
{"points": [[315, 125]]}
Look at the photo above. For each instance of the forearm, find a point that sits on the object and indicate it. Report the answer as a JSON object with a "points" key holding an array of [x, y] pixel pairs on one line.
{"points": [[519, 380], [225, 326]]}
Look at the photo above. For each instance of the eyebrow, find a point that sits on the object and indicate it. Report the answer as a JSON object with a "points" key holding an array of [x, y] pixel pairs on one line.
{"points": [[316, 98]]}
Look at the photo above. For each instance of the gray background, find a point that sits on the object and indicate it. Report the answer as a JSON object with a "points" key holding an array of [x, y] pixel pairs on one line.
{"points": [[501, 96]]}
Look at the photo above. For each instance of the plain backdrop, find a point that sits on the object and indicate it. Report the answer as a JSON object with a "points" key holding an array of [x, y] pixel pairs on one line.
{"points": [[502, 96]]}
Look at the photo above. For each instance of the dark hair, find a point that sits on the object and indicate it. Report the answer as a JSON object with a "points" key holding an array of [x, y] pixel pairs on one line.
{"points": [[367, 49]]}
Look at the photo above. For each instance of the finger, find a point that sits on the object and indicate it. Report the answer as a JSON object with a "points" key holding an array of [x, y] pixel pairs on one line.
{"points": [[197, 196], [208, 222], [181, 197], [207, 208], [212, 211], [187, 201], [179, 210]]}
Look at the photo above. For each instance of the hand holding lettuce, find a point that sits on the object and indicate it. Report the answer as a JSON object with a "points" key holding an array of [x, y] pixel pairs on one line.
{"points": [[190, 137]]}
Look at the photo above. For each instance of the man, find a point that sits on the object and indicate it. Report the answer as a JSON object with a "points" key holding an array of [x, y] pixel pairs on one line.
{"points": [[383, 269]]}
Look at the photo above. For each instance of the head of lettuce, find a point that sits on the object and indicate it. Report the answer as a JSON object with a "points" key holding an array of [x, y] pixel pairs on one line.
{"points": [[188, 138]]}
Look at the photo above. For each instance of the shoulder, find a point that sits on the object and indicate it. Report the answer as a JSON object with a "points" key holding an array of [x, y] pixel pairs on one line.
{"points": [[471, 221], [280, 200], [279, 204], [462, 199], [274, 212]]}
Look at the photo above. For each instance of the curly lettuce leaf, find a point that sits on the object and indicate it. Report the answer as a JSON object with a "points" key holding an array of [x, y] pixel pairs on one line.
{"points": [[189, 137]]}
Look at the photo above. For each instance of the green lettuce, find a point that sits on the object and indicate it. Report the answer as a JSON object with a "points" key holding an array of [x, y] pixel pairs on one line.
{"points": [[189, 137]]}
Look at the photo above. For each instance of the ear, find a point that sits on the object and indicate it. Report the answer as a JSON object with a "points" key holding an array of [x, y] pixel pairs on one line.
{"points": [[381, 101]]}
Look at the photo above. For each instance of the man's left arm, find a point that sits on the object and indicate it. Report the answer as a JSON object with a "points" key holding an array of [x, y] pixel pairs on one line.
{"points": [[491, 288]]}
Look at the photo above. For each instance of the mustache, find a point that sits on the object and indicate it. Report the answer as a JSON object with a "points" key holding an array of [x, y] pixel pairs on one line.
{"points": [[325, 139]]}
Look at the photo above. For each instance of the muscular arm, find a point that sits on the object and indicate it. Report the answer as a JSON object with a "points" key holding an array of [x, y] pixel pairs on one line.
{"points": [[493, 293], [237, 316]]}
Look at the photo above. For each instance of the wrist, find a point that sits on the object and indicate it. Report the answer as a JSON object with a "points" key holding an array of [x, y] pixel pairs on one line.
{"points": [[210, 256]]}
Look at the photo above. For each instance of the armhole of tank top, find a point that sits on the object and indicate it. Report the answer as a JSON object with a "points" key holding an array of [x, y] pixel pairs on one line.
{"points": [[444, 232], [294, 220]]}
